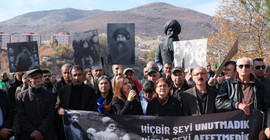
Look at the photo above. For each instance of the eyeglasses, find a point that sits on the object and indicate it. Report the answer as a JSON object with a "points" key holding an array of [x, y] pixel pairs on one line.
{"points": [[259, 67], [241, 66]]}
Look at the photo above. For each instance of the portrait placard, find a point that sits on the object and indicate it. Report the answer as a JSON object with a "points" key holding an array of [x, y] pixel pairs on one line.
{"points": [[121, 42], [190, 53], [23, 56], [86, 49]]}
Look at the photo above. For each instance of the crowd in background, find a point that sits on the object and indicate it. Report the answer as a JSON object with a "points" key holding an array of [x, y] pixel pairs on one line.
{"points": [[32, 102]]}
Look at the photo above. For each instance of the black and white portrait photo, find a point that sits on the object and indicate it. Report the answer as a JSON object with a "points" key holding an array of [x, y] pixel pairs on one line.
{"points": [[23, 56], [92, 126], [86, 49], [121, 42], [190, 53]]}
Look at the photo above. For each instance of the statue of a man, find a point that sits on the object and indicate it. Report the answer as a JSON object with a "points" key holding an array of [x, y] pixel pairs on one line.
{"points": [[164, 51]]}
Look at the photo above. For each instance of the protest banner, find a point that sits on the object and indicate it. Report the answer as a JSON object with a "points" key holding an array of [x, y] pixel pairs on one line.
{"points": [[23, 56], [219, 126], [86, 49], [190, 53]]}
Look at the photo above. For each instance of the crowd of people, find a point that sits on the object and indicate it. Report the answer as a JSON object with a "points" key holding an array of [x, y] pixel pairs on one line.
{"points": [[32, 102]]}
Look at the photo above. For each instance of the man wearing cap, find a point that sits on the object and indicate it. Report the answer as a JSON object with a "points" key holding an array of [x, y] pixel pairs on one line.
{"points": [[179, 82], [35, 108], [200, 99], [153, 74], [136, 85], [164, 51], [121, 36]]}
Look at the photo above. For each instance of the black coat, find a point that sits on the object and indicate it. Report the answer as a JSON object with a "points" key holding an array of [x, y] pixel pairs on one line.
{"points": [[229, 94], [36, 112], [163, 55], [89, 99], [10, 88], [7, 111], [171, 108], [191, 104], [126, 108]]}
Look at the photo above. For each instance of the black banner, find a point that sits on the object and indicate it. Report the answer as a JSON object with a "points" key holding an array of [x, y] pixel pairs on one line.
{"points": [[234, 125]]}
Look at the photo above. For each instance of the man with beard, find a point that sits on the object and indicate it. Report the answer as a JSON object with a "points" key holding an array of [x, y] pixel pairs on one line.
{"points": [[35, 107], [46, 80], [164, 51], [200, 99], [121, 53], [25, 60]]}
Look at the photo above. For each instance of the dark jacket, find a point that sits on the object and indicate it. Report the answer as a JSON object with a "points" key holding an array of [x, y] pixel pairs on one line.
{"points": [[36, 112], [171, 108], [10, 88], [126, 108], [7, 111], [58, 85], [89, 99], [163, 55], [229, 94], [191, 104], [177, 93]]}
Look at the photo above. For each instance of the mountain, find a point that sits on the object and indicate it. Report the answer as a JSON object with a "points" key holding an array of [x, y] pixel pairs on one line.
{"points": [[149, 20]]}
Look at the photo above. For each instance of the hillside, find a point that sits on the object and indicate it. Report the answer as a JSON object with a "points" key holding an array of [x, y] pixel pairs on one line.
{"points": [[149, 20]]}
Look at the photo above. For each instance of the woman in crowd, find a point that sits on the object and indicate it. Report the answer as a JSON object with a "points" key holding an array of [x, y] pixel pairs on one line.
{"points": [[105, 93], [146, 94], [125, 101], [163, 104]]}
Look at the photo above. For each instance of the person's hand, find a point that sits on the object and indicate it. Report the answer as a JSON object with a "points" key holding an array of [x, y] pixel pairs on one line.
{"points": [[262, 135], [244, 107], [4, 132], [61, 111], [267, 132], [36, 135], [131, 95], [220, 79], [212, 82]]}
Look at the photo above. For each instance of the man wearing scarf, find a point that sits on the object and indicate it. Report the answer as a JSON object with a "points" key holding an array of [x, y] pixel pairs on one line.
{"points": [[164, 51]]}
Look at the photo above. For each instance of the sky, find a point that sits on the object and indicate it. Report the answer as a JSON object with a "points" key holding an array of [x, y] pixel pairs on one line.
{"points": [[12, 8]]}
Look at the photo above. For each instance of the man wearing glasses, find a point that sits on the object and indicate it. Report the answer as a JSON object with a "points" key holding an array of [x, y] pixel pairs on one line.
{"points": [[244, 92], [259, 72]]}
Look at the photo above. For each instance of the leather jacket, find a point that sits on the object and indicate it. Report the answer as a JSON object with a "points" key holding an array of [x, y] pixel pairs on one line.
{"points": [[229, 94]]}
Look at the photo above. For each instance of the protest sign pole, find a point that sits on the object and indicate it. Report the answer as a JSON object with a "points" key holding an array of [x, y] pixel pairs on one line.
{"points": [[229, 56]]}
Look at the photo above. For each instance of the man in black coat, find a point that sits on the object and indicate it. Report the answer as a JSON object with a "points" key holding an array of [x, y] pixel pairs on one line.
{"points": [[200, 99], [6, 113], [65, 80], [76, 96], [35, 108], [164, 51], [244, 92]]}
